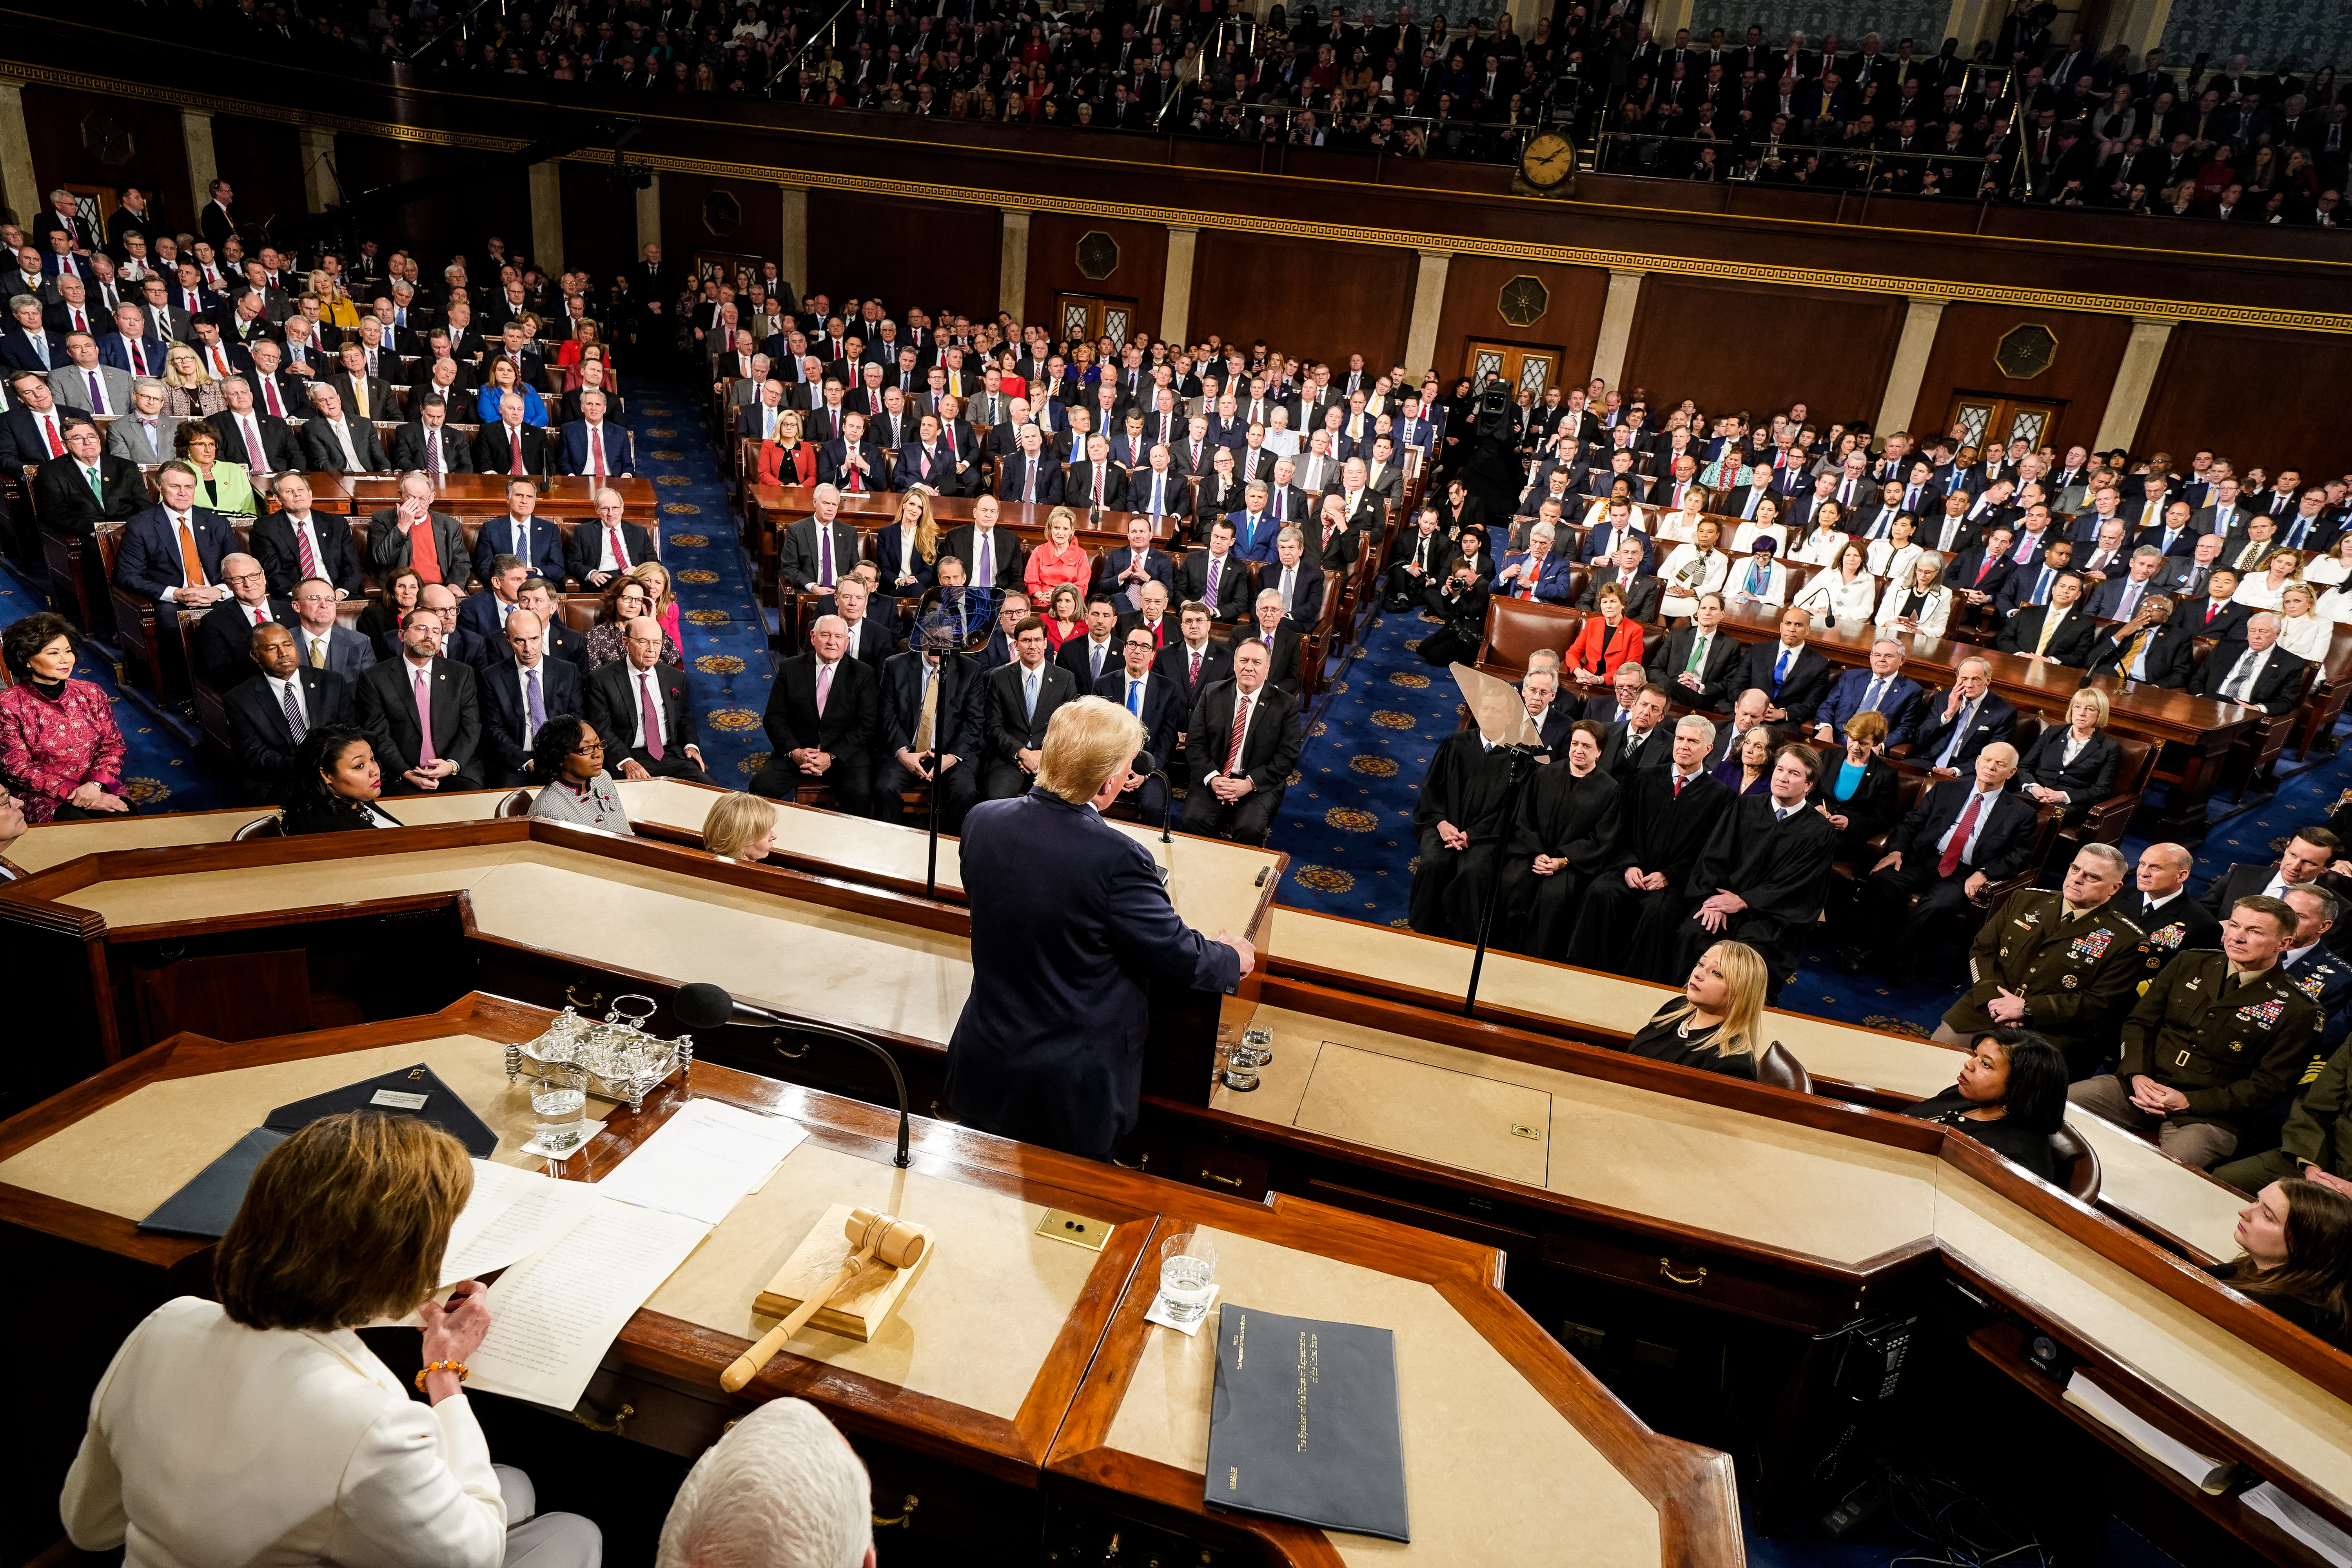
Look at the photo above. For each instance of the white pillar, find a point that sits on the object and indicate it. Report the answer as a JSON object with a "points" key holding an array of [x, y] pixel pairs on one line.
{"points": [[792, 261], [1013, 264], [18, 188], [203, 163], [1616, 323], [1428, 304], [1673, 16], [547, 216], [1921, 316], [649, 217], [2127, 400], [1176, 294], [318, 170], [1968, 21]]}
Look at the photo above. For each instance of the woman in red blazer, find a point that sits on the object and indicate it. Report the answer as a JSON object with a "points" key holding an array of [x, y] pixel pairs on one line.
{"points": [[788, 460], [1604, 642]]}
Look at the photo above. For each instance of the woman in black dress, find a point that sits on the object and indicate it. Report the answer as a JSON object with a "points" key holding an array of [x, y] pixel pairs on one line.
{"points": [[2297, 1236], [336, 781], [2073, 764], [2010, 1097], [1566, 823], [1718, 1023]]}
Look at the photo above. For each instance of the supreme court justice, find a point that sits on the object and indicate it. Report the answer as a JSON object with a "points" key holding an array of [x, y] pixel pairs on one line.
{"points": [[1049, 1047], [1563, 831], [1460, 820], [1758, 882], [2064, 964], [1665, 817]]}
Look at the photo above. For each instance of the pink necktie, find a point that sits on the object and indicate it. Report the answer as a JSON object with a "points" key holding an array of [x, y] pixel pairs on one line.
{"points": [[425, 757], [824, 686], [596, 450], [653, 716]]}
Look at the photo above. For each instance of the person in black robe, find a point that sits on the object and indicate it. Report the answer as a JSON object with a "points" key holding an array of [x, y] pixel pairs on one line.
{"points": [[1758, 881], [1566, 830], [1666, 816], [1460, 821]]}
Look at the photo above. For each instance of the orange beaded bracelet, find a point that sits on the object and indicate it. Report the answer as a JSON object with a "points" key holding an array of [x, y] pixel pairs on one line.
{"points": [[433, 1366]]}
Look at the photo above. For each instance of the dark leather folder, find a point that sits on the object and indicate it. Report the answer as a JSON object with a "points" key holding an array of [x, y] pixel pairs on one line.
{"points": [[205, 1205], [1303, 1424]]}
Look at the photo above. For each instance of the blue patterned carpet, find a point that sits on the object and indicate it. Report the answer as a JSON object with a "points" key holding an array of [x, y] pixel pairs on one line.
{"points": [[1347, 824]]}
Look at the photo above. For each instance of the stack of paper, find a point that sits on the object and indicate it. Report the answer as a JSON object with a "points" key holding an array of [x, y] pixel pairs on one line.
{"points": [[512, 1214], [591, 1262], [2299, 1522], [2203, 1471]]}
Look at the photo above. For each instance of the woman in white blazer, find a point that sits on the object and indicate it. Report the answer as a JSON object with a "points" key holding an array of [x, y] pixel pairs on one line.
{"points": [[1846, 591], [1692, 569], [1923, 605], [258, 1428]]}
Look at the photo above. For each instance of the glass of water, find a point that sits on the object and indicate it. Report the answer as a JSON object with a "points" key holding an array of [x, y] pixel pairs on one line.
{"points": [[1187, 1275], [559, 1104]]}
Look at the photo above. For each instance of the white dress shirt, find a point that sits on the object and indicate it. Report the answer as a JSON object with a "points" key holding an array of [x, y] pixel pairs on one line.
{"points": [[1986, 801]]}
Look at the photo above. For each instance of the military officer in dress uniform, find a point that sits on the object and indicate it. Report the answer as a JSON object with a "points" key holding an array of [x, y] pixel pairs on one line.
{"points": [[2312, 965], [2316, 1143], [2216, 1039], [2062, 964]]}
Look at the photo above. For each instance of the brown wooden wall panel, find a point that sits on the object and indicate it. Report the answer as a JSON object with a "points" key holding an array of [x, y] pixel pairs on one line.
{"points": [[2253, 397], [600, 224], [54, 121], [1731, 346], [1142, 274], [469, 208], [1570, 321], [687, 218], [2090, 348], [262, 161], [1307, 299], [930, 254]]}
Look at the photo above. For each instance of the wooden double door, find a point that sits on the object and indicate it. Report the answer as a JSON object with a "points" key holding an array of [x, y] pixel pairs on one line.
{"points": [[1982, 417], [1531, 368], [1083, 318]]}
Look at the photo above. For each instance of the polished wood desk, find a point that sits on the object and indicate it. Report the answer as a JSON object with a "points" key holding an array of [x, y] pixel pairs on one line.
{"points": [[569, 497], [1018, 1372], [2199, 731]]}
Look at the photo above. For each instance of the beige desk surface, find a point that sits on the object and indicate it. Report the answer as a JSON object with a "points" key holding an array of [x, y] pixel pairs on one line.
{"points": [[1493, 1473], [54, 842]]}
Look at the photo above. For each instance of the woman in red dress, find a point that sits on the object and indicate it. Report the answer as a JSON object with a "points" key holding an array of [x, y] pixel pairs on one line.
{"points": [[60, 750]]}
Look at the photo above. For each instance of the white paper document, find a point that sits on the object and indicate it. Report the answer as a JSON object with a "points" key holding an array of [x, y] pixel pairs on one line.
{"points": [[554, 1314], [2202, 1470], [512, 1214], [703, 1160], [2299, 1522]]}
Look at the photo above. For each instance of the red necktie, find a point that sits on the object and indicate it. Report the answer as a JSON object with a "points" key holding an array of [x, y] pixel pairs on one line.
{"points": [[49, 428], [309, 557], [1234, 744], [620, 552], [78, 325], [269, 392], [1951, 860], [2211, 608], [514, 442], [258, 618], [1678, 786]]}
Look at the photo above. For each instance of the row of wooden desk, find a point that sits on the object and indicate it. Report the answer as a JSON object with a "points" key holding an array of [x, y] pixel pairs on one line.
{"points": [[1797, 1212]]}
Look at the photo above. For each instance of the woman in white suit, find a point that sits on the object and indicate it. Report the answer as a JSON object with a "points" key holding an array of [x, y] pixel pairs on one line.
{"points": [[259, 1429], [1923, 605], [1846, 591]]}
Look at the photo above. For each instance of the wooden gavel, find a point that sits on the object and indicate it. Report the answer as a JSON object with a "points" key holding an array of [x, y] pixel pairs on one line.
{"points": [[871, 1236]]}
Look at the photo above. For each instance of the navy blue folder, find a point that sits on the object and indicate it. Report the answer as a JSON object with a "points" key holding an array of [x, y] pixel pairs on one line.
{"points": [[1304, 1423]]}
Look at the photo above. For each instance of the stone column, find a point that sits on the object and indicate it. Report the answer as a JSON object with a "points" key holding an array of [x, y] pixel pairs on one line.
{"points": [[547, 216], [1428, 303], [1013, 263], [18, 188], [2127, 399], [1921, 317], [791, 260], [318, 171], [649, 222], [1176, 293], [1616, 323], [196, 135]]}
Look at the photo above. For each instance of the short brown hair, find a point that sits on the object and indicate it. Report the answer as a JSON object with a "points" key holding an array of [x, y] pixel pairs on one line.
{"points": [[345, 1223]]}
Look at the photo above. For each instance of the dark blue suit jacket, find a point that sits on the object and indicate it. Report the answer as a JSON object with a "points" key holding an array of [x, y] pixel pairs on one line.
{"points": [[112, 351], [149, 558], [1254, 544], [1164, 711], [561, 690], [16, 352], [1050, 1045], [497, 538], [1013, 478], [620, 448], [888, 541], [1551, 583], [1901, 705]]}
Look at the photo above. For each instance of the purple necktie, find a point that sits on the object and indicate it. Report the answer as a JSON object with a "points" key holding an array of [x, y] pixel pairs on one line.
{"points": [[652, 715], [97, 398], [824, 557], [425, 757], [537, 710]]}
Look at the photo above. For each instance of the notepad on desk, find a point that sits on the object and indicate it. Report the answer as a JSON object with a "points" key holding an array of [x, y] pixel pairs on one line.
{"points": [[2203, 1471]]}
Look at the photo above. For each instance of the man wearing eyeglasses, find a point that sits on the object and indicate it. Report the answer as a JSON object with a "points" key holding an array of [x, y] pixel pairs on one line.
{"points": [[225, 636], [642, 708]]}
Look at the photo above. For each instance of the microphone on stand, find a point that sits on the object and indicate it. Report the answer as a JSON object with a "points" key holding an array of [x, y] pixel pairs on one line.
{"points": [[702, 1007], [1148, 766]]}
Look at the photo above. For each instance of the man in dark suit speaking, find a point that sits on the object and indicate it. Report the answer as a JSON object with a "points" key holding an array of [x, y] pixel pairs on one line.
{"points": [[1050, 1045]]}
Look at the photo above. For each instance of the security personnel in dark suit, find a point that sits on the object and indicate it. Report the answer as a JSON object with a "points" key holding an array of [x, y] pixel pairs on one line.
{"points": [[2063, 965], [2217, 1040], [1049, 1048]]}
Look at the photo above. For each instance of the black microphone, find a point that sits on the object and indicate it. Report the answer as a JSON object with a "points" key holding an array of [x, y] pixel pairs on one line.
{"points": [[1148, 765], [702, 1007]]}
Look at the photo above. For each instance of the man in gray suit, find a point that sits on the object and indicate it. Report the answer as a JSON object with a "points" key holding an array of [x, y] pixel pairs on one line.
{"points": [[144, 434], [319, 642], [393, 530], [72, 382]]}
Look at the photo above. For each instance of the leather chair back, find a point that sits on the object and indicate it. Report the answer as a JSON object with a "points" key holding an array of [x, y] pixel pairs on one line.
{"points": [[270, 826], [2078, 1164], [1517, 627], [1782, 1071]]}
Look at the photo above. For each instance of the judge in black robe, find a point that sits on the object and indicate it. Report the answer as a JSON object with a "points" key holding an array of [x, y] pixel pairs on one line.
{"points": [[1768, 859], [1467, 788], [1660, 833], [1567, 813]]}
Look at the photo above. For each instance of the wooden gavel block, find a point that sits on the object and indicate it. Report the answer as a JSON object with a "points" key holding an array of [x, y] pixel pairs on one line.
{"points": [[803, 1287]]}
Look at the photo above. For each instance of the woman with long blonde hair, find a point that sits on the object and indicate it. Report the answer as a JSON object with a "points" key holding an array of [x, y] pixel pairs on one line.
{"points": [[659, 595], [907, 551], [1718, 1025]]}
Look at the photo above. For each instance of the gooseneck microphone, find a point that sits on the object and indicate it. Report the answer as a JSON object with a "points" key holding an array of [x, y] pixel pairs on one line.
{"points": [[701, 1007]]}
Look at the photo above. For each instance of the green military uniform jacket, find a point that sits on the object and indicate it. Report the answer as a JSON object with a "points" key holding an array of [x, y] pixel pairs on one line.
{"points": [[2319, 1128], [2076, 976], [2232, 1049]]}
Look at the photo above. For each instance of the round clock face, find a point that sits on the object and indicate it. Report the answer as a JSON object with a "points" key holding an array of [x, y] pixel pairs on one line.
{"points": [[1547, 159]]}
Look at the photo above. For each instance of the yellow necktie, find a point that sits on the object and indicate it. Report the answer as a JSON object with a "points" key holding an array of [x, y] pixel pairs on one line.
{"points": [[318, 653]]}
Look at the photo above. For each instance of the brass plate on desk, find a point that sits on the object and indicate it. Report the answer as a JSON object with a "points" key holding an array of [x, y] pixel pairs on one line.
{"points": [[1061, 1224]]}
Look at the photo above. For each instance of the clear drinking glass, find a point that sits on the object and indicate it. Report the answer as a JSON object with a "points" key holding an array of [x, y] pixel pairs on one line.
{"points": [[1188, 1275], [559, 1103]]}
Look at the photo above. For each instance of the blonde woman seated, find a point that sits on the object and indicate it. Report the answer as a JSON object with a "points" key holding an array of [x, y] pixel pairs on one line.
{"points": [[1821, 547], [740, 828], [257, 1428], [1682, 527], [2265, 591], [1698, 567], [1718, 1025], [1922, 606], [1890, 558], [2302, 631], [1846, 591], [190, 391]]}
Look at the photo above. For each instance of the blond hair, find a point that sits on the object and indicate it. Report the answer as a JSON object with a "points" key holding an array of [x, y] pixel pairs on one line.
{"points": [[1086, 741], [1746, 976], [736, 822]]}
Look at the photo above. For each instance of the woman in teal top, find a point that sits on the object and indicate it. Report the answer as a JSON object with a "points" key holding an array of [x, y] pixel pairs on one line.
{"points": [[1861, 795], [222, 487]]}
